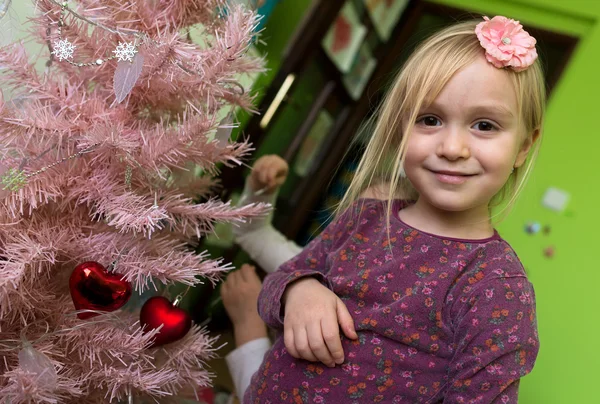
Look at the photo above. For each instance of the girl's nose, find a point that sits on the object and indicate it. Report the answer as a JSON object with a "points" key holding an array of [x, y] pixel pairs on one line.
{"points": [[454, 144]]}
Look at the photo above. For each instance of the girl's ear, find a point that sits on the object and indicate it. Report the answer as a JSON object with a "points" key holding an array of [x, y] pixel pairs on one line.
{"points": [[525, 147]]}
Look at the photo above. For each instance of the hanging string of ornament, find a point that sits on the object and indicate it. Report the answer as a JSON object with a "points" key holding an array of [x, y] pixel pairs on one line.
{"points": [[15, 179], [64, 50], [127, 73]]}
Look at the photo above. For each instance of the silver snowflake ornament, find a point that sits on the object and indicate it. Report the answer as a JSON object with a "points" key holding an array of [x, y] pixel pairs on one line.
{"points": [[63, 49], [125, 52]]}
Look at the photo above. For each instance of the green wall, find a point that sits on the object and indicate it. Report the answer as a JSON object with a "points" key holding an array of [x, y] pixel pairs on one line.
{"points": [[566, 285]]}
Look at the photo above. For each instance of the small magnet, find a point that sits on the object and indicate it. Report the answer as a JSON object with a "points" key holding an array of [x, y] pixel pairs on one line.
{"points": [[532, 227]]}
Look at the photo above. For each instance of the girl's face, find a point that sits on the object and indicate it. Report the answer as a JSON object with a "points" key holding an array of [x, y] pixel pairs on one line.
{"points": [[464, 146]]}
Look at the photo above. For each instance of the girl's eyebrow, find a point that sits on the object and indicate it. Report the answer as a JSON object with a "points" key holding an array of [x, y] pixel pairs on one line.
{"points": [[499, 109], [481, 109]]}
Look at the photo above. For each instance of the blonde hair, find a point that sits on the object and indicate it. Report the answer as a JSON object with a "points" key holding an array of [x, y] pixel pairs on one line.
{"points": [[422, 78]]}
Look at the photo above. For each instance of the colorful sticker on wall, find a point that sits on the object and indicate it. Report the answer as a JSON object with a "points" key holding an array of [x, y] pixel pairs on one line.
{"points": [[360, 73], [532, 227], [556, 199], [549, 252], [343, 40], [385, 15]]}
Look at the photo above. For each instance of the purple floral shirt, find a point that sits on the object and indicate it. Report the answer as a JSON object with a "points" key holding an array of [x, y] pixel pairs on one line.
{"points": [[438, 319]]}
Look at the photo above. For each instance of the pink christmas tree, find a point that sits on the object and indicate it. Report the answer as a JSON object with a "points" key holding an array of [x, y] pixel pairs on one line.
{"points": [[97, 165]]}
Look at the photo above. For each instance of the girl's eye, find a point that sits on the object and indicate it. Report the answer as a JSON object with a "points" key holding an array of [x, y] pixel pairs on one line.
{"points": [[429, 121], [484, 126]]}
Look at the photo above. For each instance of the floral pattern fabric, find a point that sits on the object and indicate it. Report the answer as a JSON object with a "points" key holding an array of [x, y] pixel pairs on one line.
{"points": [[439, 320]]}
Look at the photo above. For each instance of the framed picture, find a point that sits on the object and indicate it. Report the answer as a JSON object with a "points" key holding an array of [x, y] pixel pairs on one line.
{"points": [[362, 68], [343, 39], [312, 143], [385, 15]]}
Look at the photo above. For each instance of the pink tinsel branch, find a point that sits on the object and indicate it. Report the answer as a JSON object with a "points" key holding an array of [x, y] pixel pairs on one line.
{"points": [[161, 259], [16, 69], [198, 219], [108, 342], [192, 352], [19, 386]]}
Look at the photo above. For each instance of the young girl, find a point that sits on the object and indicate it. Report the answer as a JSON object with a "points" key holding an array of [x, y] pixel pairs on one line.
{"points": [[443, 309]]}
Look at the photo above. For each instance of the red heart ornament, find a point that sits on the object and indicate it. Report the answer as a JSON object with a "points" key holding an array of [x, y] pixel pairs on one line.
{"points": [[94, 288], [159, 311]]}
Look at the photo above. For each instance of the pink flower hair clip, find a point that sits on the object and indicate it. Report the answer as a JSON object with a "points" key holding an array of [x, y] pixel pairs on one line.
{"points": [[506, 43]]}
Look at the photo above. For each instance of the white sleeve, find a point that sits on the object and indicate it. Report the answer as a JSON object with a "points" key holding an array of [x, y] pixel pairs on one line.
{"points": [[244, 361], [268, 247], [247, 197], [265, 245]]}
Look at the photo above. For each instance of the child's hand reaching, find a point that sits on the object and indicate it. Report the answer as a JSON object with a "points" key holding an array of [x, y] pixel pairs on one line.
{"points": [[268, 173], [240, 294], [312, 315]]}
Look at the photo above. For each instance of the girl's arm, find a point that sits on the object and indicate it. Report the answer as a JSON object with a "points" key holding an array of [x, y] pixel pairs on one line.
{"points": [[265, 245], [496, 342], [310, 262], [298, 298]]}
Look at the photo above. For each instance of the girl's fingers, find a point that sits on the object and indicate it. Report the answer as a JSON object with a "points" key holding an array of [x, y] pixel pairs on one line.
{"points": [[231, 279], [345, 320], [331, 336], [288, 340], [263, 175], [246, 272], [317, 344], [301, 344], [224, 289]]}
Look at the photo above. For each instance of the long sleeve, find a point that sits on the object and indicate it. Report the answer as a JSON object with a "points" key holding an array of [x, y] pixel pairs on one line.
{"points": [[265, 245], [312, 261], [496, 343], [244, 361]]}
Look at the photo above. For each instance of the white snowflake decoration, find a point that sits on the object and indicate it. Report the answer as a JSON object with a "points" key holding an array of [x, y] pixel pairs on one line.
{"points": [[63, 49], [125, 52]]}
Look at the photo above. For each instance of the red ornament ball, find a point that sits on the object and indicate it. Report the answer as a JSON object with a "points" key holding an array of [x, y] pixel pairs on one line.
{"points": [[94, 288], [159, 311]]}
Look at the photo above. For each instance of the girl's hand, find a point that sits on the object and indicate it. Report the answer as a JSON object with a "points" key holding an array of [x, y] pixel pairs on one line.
{"points": [[310, 326], [240, 293], [268, 173]]}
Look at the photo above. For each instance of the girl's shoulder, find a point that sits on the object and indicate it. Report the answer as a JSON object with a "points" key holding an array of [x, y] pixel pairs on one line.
{"points": [[503, 259], [491, 264]]}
